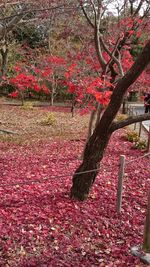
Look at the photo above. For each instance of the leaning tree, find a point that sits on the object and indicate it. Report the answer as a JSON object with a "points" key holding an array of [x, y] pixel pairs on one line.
{"points": [[117, 37], [86, 173]]}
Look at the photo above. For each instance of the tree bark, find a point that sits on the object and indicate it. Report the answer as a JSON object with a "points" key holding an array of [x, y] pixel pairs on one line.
{"points": [[98, 115], [52, 98], [97, 143], [130, 120], [4, 54], [124, 105], [92, 123], [85, 175], [53, 91], [12, 23]]}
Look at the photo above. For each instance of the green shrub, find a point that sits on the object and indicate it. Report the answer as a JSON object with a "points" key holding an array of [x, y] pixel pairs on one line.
{"points": [[27, 105], [32, 36], [49, 119], [121, 117], [141, 144], [132, 136], [6, 89]]}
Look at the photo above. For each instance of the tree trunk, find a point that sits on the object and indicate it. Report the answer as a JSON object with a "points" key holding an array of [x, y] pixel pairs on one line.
{"points": [[52, 98], [146, 242], [4, 53], [73, 107], [99, 112], [52, 95], [54, 86], [49, 43], [124, 111], [90, 130], [83, 182], [22, 99], [85, 175], [92, 124]]}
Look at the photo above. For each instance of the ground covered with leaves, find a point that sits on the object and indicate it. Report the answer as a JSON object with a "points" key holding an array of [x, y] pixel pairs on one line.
{"points": [[40, 226]]}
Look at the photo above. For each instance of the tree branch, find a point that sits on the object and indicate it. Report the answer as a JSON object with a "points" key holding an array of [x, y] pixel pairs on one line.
{"points": [[25, 12], [86, 16], [6, 27], [122, 86], [7, 131], [130, 120], [112, 55], [138, 8], [96, 27], [146, 12], [97, 38], [94, 8]]}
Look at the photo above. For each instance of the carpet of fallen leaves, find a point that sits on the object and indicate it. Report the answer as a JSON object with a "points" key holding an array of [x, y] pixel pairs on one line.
{"points": [[40, 226]]}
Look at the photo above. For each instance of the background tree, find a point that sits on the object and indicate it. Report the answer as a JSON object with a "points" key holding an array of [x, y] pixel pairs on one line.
{"points": [[25, 21]]}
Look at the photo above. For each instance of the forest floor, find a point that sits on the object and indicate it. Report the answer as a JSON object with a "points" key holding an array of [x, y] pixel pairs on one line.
{"points": [[40, 226]]}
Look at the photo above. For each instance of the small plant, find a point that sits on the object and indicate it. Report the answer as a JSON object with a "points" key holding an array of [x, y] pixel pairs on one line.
{"points": [[121, 117], [132, 136], [49, 119], [141, 144], [27, 105]]}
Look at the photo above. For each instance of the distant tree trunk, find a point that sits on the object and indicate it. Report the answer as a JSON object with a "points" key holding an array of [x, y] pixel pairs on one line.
{"points": [[22, 98], [52, 97], [49, 43], [146, 243], [90, 130], [92, 123], [124, 105], [99, 113], [54, 84], [73, 103], [4, 54], [97, 143]]}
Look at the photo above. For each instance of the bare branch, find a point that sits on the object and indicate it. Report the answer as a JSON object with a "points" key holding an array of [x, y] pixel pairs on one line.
{"points": [[97, 21], [94, 8], [34, 10], [113, 52], [112, 55], [6, 27], [86, 15], [146, 13], [123, 84], [138, 8]]}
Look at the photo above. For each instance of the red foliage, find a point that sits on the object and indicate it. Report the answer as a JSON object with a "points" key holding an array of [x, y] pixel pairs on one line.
{"points": [[14, 94], [35, 78]]}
